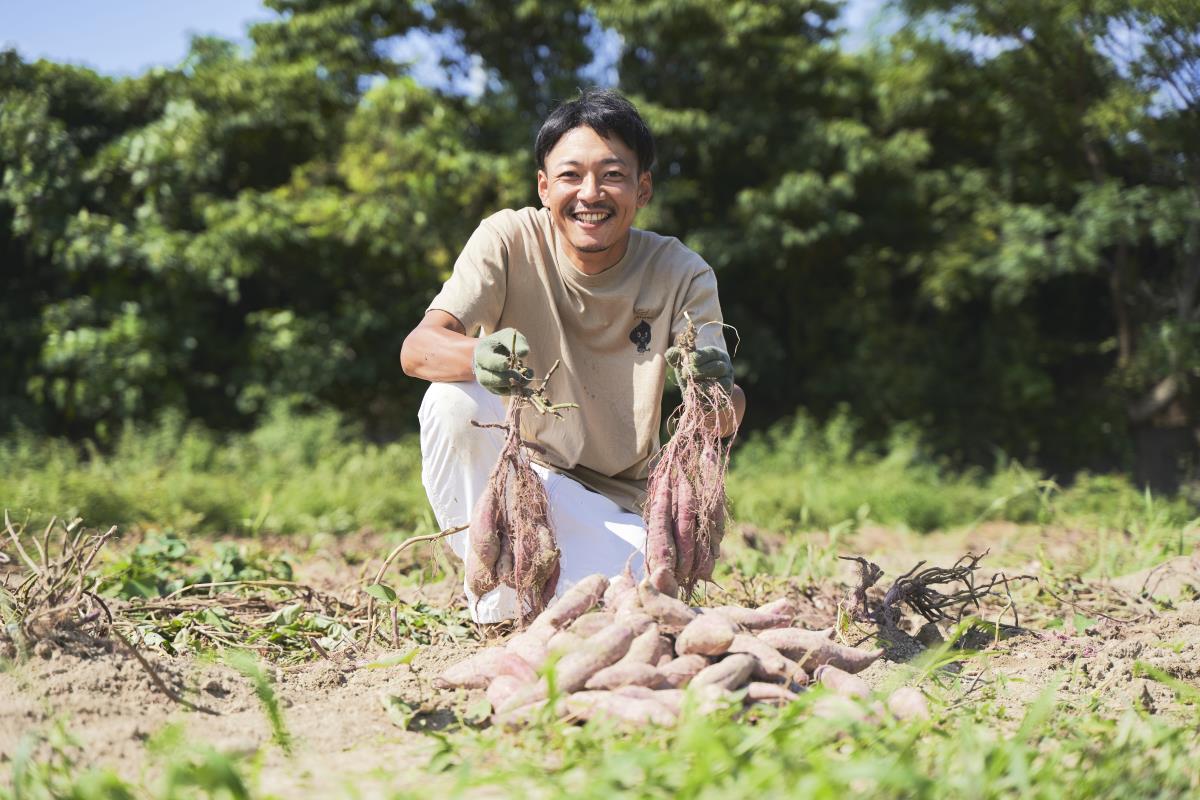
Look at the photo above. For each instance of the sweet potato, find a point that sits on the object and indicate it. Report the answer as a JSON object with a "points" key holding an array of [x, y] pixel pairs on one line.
{"points": [[660, 529], [773, 693], [841, 682], [627, 604], [679, 672], [619, 708], [908, 702], [784, 606], [663, 579], [731, 672], [617, 587], [706, 635], [645, 648], [770, 661], [812, 649], [530, 646], [501, 688], [604, 649], [626, 674], [564, 642], [671, 698], [516, 667], [483, 542], [574, 603], [472, 672], [670, 613], [591, 623], [750, 618], [683, 503]]}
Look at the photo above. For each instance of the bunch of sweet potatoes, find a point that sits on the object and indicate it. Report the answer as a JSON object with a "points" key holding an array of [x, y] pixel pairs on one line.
{"points": [[628, 652]]}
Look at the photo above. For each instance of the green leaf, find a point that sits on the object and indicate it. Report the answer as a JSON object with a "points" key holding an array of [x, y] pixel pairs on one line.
{"points": [[382, 592]]}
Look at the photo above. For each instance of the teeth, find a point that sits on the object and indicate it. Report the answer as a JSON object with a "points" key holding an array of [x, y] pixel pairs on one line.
{"points": [[591, 217]]}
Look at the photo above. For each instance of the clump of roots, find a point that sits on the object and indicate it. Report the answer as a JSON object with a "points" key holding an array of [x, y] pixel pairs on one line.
{"points": [[511, 541], [966, 596], [685, 493], [53, 599]]}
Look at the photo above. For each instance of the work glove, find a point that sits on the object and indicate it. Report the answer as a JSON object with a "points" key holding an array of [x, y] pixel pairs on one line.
{"points": [[705, 364], [491, 362]]}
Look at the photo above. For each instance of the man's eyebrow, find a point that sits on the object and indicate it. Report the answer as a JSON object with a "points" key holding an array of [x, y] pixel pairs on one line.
{"points": [[570, 162]]}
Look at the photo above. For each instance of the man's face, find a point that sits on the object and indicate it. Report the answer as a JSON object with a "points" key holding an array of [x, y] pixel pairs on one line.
{"points": [[593, 190]]}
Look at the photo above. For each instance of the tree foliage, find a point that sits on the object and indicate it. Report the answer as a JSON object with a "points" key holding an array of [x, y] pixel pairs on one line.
{"points": [[988, 225]]}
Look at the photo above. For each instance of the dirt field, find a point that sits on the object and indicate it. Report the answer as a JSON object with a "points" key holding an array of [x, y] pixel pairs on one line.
{"points": [[345, 712]]}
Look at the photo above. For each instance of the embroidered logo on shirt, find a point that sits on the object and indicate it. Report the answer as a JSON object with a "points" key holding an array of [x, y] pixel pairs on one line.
{"points": [[640, 336]]}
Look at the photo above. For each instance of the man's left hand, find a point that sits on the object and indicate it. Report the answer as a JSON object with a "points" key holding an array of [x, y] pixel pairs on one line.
{"points": [[705, 364]]}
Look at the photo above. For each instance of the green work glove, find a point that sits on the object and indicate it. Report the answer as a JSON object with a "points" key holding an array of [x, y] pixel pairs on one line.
{"points": [[491, 362], [705, 364]]}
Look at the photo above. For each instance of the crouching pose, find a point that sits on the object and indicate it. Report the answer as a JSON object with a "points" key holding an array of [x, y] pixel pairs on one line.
{"points": [[572, 282]]}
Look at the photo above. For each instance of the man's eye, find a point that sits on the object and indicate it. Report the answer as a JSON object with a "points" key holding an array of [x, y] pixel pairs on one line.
{"points": [[615, 175], [568, 174]]}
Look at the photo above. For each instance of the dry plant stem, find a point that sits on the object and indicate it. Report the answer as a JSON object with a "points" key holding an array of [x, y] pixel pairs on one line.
{"points": [[387, 562]]}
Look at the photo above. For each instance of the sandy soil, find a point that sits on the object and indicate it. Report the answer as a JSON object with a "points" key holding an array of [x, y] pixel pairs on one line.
{"points": [[337, 709]]}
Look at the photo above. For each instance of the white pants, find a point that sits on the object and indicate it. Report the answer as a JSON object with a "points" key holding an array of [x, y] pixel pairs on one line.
{"points": [[594, 533]]}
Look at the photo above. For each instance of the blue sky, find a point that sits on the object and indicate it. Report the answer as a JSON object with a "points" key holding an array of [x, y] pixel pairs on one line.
{"points": [[125, 37]]}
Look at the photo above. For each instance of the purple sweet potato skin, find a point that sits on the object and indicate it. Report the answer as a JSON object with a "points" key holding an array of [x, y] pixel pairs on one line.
{"points": [[684, 512], [841, 682], [473, 672], [812, 649], [706, 635], [670, 613], [626, 674], [604, 649], [484, 543], [620, 708], [680, 671], [731, 672], [574, 603], [660, 529]]}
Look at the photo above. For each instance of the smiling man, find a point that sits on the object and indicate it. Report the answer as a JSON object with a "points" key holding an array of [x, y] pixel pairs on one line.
{"points": [[572, 282]]}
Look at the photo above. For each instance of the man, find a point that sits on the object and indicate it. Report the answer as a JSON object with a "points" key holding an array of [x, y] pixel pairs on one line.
{"points": [[572, 282]]}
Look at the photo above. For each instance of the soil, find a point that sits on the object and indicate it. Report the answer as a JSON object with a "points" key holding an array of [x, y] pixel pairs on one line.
{"points": [[345, 715]]}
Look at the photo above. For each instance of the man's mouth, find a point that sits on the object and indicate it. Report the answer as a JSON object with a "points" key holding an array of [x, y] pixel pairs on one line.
{"points": [[591, 217]]}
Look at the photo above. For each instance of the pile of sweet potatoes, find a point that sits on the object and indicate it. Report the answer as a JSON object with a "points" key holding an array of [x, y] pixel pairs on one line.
{"points": [[627, 652]]}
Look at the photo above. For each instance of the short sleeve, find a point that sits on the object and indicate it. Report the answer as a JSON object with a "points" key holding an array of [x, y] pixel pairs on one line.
{"points": [[701, 304], [475, 292]]}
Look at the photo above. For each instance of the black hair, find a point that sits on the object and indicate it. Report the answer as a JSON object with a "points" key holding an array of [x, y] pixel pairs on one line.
{"points": [[607, 113]]}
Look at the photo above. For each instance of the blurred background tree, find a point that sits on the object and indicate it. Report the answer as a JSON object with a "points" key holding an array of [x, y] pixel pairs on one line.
{"points": [[985, 226]]}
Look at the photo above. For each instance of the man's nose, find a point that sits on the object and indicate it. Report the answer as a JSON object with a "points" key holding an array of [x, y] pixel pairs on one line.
{"points": [[590, 189]]}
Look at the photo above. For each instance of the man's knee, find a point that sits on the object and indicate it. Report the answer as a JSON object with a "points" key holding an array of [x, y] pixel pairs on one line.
{"points": [[448, 409]]}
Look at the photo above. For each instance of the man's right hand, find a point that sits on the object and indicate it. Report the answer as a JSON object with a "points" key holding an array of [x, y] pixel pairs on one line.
{"points": [[492, 368]]}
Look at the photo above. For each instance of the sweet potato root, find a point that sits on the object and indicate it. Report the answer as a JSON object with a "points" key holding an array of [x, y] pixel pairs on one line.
{"points": [[771, 662], [473, 672], [752, 619], [619, 708], [670, 613], [908, 702], [841, 682], [812, 649], [731, 672], [574, 603], [602, 650], [706, 635], [626, 674], [591, 623], [773, 693], [679, 672]]}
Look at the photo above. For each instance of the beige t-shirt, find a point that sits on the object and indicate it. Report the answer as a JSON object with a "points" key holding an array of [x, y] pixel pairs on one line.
{"points": [[610, 332]]}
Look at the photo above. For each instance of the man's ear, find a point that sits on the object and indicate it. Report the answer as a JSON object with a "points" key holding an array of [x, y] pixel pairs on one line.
{"points": [[543, 184], [645, 189]]}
